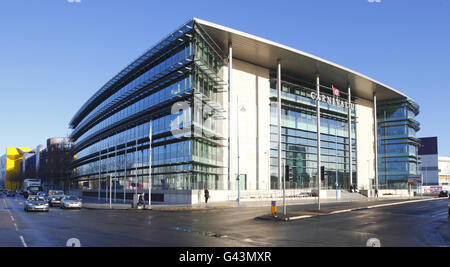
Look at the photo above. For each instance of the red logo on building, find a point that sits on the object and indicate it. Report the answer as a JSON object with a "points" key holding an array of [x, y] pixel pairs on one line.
{"points": [[336, 91]]}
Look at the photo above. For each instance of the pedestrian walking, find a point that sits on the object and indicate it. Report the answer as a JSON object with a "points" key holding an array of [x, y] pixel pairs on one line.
{"points": [[376, 192], [206, 195], [142, 200]]}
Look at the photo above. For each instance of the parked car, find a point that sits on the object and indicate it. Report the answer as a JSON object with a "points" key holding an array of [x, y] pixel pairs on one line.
{"points": [[36, 203], [443, 194], [10, 193], [55, 199], [71, 202]]}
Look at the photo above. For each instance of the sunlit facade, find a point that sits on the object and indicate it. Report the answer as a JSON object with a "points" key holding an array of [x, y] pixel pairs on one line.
{"points": [[398, 145], [212, 98]]}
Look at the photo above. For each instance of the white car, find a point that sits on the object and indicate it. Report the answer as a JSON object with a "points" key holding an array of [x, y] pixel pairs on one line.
{"points": [[36, 203], [71, 202]]}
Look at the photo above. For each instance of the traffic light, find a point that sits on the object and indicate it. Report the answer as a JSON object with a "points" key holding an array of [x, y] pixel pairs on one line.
{"points": [[288, 173], [322, 173]]}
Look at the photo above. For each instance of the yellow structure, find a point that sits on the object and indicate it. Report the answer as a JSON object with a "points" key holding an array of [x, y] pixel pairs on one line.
{"points": [[14, 158]]}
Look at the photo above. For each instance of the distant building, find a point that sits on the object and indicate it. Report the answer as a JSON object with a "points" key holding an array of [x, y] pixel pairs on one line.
{"points": [[10, 167], [50, 164], [444, 170], [58, 159], [2, 170], [428, 153]]}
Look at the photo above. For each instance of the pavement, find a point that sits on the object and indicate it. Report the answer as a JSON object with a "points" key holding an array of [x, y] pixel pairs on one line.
{"points": [[103, 204]]}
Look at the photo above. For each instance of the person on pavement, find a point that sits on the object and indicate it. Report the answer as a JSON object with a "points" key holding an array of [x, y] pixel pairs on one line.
{"points": [[142, 200], [206, 195]]}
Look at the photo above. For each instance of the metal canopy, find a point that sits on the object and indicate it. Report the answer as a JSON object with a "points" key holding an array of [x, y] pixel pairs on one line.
{"points": [[265, 53]]}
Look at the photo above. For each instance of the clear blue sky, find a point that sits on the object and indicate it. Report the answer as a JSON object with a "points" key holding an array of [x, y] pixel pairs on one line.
{"points": [[55, 54]]}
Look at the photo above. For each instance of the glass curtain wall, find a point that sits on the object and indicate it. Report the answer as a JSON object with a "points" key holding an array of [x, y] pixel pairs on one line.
{"points": [[397, 142], [115, 141], [299, 137]]}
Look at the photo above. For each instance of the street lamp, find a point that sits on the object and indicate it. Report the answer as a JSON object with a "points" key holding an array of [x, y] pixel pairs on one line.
{"points": [[242, 109]]}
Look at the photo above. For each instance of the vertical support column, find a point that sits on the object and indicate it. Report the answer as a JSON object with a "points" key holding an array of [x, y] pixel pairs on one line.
{"points": [[238, 151], [125, 173], [375, 134], [279, 122], [350, 167], [150, 184], [319, 162], [99, 168], [230, 67], [136, 160], [107, 169], [116, 173]]}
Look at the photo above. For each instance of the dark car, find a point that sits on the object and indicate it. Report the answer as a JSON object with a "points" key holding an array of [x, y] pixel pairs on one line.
{"points": [[10, 193], [443, 193], [55, 200]]}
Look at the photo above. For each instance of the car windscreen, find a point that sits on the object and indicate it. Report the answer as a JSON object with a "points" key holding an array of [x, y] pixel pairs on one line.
{"points": [[72, 198], [36, 199]]}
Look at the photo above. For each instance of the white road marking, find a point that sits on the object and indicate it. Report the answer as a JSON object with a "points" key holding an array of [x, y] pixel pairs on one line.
{"points": [[440, 214], [23, 241], [369, 207], [15, 225], [400, 203]]}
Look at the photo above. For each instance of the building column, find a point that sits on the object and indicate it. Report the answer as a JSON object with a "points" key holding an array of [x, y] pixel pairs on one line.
{"points": [[279, 121], [350, 169], [230, 67], [375, 134], [319, 161]]}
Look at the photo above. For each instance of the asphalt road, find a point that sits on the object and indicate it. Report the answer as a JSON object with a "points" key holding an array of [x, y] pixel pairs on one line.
{"points": [[414, 224]]}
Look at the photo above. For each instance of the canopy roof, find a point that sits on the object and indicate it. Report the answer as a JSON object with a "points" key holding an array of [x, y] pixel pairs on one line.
{"points": [[265, 53]]}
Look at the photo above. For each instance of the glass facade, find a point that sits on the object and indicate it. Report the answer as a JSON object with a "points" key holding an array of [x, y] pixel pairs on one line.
{"points": [[397, 142], [299, 137], [174, 90]]}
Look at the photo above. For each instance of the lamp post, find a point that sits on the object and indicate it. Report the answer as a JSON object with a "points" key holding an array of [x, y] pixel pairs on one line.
{"points": [[242, 108]]}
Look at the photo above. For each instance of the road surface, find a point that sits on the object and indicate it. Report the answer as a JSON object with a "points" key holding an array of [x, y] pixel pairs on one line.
{"points": [[415, 224]]}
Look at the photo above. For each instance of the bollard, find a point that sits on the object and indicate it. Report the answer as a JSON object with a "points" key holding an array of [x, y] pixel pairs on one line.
{"points": [[274, 208]]}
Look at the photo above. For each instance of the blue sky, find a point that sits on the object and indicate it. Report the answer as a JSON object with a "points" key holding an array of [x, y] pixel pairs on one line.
{"points": [[55, 54]]}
